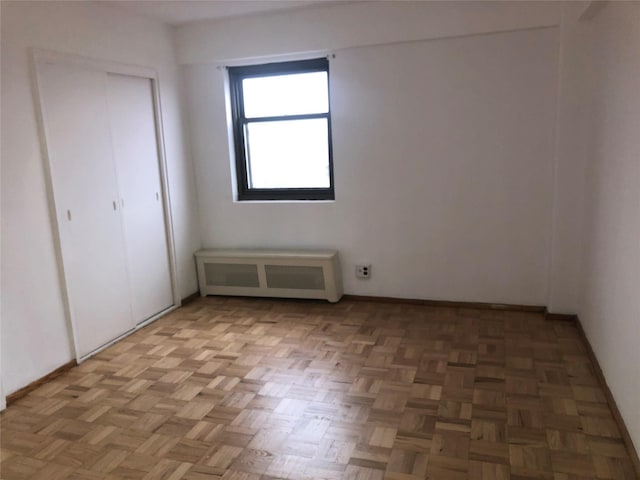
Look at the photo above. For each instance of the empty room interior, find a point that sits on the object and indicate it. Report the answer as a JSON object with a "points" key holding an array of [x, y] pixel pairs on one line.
{"points": [[364, 240]]}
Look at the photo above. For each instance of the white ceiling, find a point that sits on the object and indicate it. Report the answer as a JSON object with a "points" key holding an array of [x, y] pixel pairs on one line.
{"points": [[176, 12]]}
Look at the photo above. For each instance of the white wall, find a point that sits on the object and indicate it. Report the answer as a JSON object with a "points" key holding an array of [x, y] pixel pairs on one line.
{"points": [[610, 303], [335, 26], [35, 337], [3, 400], [443, 158]]}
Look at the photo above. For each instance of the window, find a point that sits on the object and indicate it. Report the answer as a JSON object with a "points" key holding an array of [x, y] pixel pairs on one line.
{"points": [[282, 130]]}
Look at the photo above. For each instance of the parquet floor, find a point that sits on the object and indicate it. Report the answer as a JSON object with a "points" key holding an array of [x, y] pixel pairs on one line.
{"points": [[250, 389]]}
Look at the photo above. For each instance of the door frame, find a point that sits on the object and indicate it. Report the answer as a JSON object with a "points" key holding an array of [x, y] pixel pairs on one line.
{"points": [[42, 56]]}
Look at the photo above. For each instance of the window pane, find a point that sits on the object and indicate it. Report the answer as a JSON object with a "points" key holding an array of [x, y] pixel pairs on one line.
{"points": [[286, 95], [288, 154]]}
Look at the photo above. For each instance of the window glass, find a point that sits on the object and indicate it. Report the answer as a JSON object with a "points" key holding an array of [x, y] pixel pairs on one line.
{"points": [[288, 154], [279, 95]]}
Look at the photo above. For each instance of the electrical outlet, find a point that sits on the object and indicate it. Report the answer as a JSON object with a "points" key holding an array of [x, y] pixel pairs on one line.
{"points": [[363, 270]]}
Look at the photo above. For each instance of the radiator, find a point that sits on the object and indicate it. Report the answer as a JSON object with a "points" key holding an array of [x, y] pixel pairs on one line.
{"points": [[270, 273]]}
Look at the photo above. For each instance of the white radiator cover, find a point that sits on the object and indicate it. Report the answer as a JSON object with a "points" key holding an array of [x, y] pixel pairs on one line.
{"points": [[270, 273]]}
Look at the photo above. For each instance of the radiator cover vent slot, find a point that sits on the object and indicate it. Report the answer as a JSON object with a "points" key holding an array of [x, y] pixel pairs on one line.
{"points": [[270, 273], [292, 276], [231, 274]]}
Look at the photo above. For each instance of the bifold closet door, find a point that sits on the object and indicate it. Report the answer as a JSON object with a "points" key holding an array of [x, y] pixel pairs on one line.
{"points": [[135, 144], [84, 181]]}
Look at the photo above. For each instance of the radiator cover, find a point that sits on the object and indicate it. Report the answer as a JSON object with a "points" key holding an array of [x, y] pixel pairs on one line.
{"points": [[270, 273]]}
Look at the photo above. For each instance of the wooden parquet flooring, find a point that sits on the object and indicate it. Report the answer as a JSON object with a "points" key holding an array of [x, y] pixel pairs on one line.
{"points": [[255, 389]]}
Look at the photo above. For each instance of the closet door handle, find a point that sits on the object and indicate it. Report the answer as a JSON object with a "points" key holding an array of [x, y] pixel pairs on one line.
{"points": [[157, 196], [69, 214], [115, 205]]}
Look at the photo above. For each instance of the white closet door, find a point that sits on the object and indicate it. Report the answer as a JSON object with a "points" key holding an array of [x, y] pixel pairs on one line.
{"points": [[85, 190], [133, 127]]}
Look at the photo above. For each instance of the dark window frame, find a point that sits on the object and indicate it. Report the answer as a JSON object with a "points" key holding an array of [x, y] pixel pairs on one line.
{"points": [[236, 75]]}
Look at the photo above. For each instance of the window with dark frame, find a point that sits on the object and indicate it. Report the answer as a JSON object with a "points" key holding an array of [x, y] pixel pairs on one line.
{"points": [[282, 130]]}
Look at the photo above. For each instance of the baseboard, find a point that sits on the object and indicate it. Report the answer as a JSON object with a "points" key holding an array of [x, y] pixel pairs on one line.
{"points": [[626, 437], [562, 317], [190, 298], [448, 303], [18, 394]]}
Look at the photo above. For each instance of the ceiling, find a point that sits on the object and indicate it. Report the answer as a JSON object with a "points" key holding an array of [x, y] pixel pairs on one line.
{"points": [[177, 12]]}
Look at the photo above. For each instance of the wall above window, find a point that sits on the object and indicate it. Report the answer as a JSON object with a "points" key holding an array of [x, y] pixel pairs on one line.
{"points": [[334, 26]]}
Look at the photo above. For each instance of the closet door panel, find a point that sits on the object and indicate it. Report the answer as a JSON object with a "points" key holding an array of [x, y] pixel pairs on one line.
{"points": [[85, 190], [133, 127]]}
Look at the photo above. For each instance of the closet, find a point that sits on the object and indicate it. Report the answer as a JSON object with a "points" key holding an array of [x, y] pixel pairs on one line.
{"points": [[105, 169]]}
